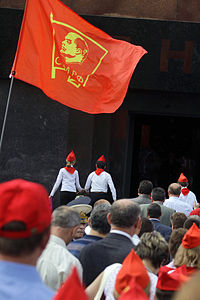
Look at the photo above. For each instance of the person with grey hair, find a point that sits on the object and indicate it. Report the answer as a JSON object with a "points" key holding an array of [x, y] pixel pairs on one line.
{"points": [[56, 262], [174, 191], [124, 218], [99, 228]]}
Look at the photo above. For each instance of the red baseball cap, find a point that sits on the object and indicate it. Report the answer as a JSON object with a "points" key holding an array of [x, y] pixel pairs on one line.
{"points": [[27, 202]]}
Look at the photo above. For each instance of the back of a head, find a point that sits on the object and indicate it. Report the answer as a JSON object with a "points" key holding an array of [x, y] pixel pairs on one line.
{"points": [[188, 253], [124, 213], [101, 201], [147, 226], [158, 194], [154, 210], [178, 219], [153, 247], [98, 218], [65, 217], [189, 222], [101, 164], [176, 240], [145, 187], [164, 295], [174, 189]]}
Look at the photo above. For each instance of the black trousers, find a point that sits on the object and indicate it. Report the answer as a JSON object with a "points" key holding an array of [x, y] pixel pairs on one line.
{"points": [[66, 197], [97, 196]]}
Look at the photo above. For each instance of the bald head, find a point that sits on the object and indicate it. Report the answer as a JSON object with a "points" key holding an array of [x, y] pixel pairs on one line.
{"points": [[124, 213], [101, 201], [174, 189]]}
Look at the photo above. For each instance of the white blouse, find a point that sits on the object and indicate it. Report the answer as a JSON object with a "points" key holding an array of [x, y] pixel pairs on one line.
{"points": [[69, 182], [100, 183]]}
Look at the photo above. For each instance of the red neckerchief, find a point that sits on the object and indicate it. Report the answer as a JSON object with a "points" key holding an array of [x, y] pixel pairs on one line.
{"points": [[99, 171], [71, 170], [185, 191]]}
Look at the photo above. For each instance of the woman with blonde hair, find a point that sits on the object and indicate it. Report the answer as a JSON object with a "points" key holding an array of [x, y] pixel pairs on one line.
{"points": [[68, 178], [188, 252]]}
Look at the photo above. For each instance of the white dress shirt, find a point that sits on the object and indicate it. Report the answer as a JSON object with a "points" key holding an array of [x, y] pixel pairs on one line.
{"points": [[99, 183], [56, 263], [70, 182], [178, 205], [190, 199]]}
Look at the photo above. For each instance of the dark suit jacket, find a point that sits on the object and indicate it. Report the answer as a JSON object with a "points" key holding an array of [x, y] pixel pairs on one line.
{"points": [[164, 230], [98, 255], [166, 212]]}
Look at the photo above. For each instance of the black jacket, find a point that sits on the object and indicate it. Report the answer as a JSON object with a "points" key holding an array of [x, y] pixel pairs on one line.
{"points": [[98, 255]]}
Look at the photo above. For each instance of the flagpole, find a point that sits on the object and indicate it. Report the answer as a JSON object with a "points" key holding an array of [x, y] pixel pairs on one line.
{"points": [[6, 112]]}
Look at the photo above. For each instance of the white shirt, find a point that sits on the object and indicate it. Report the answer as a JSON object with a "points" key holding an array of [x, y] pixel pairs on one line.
{"points": [[190, 199], [70, 182], [56, 263], [136, 239], [110, 284], [100, 183], [178, 205]]}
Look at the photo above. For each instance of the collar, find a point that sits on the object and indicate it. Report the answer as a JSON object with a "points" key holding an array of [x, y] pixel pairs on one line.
{"points": [[154, 219], [122, 233], [70, 169], [144, 196], [173, 198], [57, 240], [158, 202], [99, 171]]}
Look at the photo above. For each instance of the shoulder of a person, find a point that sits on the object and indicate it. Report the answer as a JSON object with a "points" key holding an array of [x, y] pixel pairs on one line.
{"points": [[88, 248]]}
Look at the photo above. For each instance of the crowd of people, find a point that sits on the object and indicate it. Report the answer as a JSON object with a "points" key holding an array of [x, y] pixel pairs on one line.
{"points": [[146, 247]]}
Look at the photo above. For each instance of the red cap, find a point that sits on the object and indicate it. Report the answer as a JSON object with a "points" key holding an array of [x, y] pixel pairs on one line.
{"points": [[132, 266], [170, 280], [71, 157], [26, 202], [182, 178], [135, 292], [102, 158], [71, 288], [192, 237]]}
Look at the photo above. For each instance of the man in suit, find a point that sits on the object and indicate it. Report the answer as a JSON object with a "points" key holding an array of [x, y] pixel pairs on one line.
{"points": [[124, 218], [154, 214], [144, 192], [158, 196]]}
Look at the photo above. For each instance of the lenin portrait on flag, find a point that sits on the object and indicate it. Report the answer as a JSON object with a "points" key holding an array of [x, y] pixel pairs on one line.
{"points": [[75, 53]]}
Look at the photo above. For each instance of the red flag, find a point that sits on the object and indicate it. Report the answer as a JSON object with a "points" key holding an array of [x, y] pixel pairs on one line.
{"points": [[71, 289], [72, 61]]}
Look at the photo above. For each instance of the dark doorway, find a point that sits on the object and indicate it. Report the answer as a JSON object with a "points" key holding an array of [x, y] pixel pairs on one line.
{"points": [[163, 147]]}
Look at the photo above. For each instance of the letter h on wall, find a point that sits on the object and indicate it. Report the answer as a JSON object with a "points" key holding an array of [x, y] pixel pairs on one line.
{"points": [[185, 55]]}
